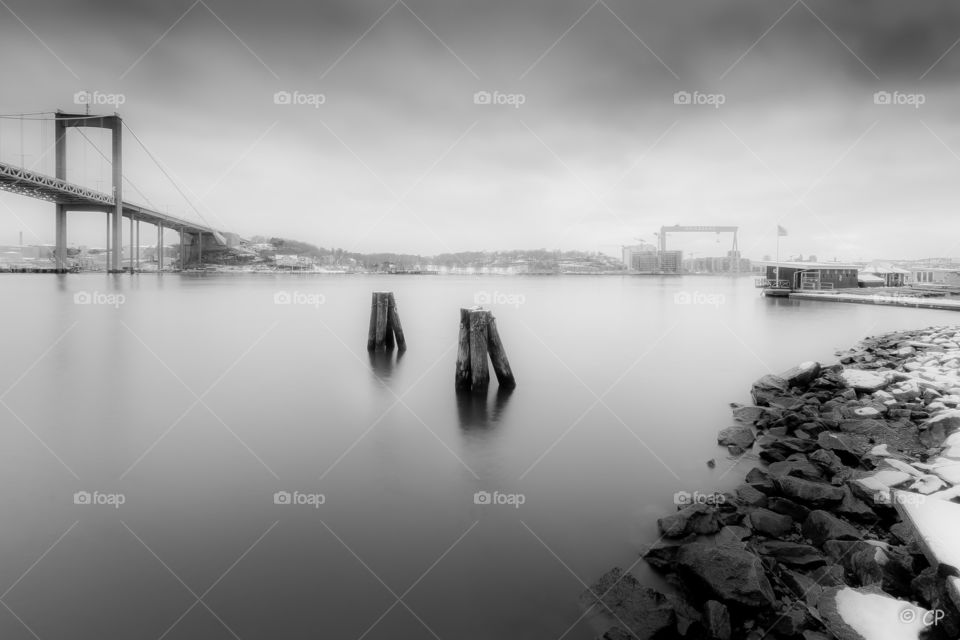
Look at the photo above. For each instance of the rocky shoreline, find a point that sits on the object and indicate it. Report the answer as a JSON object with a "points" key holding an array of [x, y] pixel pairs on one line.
{"points": [[812, 545]]}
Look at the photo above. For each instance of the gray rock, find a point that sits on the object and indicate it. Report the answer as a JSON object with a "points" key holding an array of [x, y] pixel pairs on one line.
{"points": [[791, 553], [815, 494], [799, 468], [738, 436], [647, 613], [821, 526], [766, 387], [751, 496], [698, 519], [716, 619], [768, 523], [726, 573], [788, 507], [802, 374]]}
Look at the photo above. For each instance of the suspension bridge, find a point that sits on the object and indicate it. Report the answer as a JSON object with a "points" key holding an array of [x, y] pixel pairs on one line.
{"points": [[70, 196]]}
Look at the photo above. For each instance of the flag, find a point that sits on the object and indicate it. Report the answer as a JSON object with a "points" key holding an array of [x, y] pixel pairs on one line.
{"points": [[781, 231]]}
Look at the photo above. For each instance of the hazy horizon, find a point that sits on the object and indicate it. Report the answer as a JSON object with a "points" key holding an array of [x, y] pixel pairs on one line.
{"points": [[400, 158]]}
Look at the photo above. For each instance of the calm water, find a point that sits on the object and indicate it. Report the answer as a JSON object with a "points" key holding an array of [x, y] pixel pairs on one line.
{"points": [[198, 398]]}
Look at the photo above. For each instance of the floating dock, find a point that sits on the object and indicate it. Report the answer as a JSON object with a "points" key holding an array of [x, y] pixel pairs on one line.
{"points": [[912, 301]]}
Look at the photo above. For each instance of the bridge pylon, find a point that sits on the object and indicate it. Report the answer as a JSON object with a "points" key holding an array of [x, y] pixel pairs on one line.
{"points": [[64, 121]]}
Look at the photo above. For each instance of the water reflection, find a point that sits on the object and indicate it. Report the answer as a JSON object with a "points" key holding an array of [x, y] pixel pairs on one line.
{"points": [[383, 363], [473, 409]]}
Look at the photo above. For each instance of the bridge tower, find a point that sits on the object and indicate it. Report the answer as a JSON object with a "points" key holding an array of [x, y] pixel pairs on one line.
{"points": [[63, 121]]}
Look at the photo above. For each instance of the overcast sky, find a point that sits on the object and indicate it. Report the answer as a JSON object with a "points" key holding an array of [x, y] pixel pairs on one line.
{"points": [[399, 157]]}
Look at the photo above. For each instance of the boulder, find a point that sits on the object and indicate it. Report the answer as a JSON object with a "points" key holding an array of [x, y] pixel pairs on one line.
{"points": [[751, 496], [827, 460], [716, 620], [788, 508], [738, 436], [939, 427], [815, 494], [697, 519], [867, 614], [647, 613], [791, 553], [799, 468], [770, 524], [865, 381], [821, 526], [662, 556], [725, 573], [801, 375], [801, 586], [766, 387]]}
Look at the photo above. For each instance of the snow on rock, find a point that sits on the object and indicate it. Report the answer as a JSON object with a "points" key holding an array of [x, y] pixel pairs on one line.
{"points": [[869, 614], [863, 380], [936, 523], [880, 482], [946, 468]]}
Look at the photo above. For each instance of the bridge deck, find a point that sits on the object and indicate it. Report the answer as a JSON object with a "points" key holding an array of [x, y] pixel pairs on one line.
{"points": [[43, 187]]}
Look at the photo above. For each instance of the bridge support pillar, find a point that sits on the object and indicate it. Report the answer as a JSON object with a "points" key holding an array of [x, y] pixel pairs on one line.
{"points": [[60, 252], [117, 160], [159, 248]]}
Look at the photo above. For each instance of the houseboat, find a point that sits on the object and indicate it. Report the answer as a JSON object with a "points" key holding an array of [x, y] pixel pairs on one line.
{"points": [[784, 278]]}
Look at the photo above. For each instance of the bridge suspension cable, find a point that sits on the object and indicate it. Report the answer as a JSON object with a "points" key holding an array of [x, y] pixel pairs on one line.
{"points": [[110, 162], [167, 175]]}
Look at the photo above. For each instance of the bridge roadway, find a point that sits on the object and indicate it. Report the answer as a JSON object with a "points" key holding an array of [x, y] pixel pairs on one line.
{"points": [[78, 198]]}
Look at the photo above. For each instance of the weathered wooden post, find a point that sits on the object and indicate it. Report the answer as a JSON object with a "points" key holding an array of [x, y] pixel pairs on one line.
{"points": [[478, 336], [372, 332], [479, 372], [393, 320], [463, 352], [385, 330], [498, 356]]}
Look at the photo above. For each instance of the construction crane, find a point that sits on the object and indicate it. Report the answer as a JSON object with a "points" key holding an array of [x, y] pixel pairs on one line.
{"points": [[702, 229]]}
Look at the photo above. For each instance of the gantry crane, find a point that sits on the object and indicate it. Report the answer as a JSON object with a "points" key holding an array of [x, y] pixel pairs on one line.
{"points": [[702, 229]]}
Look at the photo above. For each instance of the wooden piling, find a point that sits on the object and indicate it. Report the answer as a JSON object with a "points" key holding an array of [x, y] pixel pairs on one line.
{"points": [[381, 331], [393, 317], [463, 352], [385, 330], [372, 332], [479, 370], [479, 339], [498, 356]]}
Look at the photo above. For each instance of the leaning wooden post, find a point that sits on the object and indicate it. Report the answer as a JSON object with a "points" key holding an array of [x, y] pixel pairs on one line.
{"points": [[463, 352], [394, 320], [479, 371], [498, 356]]}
